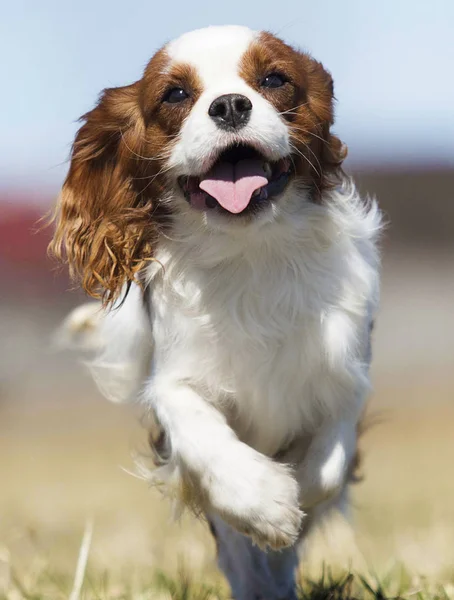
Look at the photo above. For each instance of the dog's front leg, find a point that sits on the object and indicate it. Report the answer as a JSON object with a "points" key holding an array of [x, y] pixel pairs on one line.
{"points": [[322, 468], [218, 473]]}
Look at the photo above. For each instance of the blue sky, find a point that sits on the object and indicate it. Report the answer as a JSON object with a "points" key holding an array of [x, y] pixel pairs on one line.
{"points": [[392, 62]]}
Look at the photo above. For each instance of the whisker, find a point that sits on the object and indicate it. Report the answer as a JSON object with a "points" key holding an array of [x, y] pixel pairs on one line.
{"points": [[131, 150], [146, 177], [314, 155], [165, 136], [285, 112], [160, 172], [316, 158], [148, 158], [309, 133], [305, 158]]}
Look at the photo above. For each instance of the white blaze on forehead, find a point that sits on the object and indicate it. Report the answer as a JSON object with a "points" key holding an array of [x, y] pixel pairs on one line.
{"points": [[215, 52]]}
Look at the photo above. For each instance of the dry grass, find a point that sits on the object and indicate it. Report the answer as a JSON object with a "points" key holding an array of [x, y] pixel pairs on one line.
{"points": [[61, 466]]}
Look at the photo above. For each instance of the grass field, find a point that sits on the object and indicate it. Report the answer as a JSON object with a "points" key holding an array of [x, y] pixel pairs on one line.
{"points": [[64, 466]]}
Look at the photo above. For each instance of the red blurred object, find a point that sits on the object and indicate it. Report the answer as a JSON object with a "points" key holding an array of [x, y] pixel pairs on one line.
{"points": [[24, 236], [23, 239]]}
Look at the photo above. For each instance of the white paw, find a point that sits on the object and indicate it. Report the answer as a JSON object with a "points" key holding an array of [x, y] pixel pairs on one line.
{"points": [[257, 496]]}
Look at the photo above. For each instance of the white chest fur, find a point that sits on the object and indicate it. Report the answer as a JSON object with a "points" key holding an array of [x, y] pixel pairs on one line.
{"points": [[260, 334], [272, 330]]}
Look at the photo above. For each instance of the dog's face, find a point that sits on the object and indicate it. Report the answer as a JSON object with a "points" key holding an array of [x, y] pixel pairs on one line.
{"points": [[224, 123]]}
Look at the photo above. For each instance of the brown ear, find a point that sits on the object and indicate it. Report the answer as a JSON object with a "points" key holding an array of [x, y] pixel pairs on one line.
{"points": [[333, 154], [330, 150], [101, 227]]}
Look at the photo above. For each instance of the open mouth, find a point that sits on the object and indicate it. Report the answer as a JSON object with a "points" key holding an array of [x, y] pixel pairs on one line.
{"points": [[241, 181]]}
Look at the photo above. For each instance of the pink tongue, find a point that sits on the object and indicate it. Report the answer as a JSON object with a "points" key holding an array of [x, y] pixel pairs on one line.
{"points": [[233, 184]]}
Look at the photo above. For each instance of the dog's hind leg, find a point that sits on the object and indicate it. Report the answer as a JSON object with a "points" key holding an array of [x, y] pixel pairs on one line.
{"points": [[252, 573], [117, 344]]}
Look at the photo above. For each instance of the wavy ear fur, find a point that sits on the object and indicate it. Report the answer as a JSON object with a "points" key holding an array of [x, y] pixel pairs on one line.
{"points": [[333, 154], [329, 149], [103, 226]]}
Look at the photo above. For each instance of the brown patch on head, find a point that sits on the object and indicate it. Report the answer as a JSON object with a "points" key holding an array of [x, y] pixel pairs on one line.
{"points": [[305, 102], [110, 212], [157, 81]]}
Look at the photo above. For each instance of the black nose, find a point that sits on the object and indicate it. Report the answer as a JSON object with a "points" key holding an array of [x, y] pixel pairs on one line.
{"points": [[231, 111]]}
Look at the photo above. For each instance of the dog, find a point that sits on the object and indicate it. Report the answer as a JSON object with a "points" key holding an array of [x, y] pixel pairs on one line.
{"points": [[236, 272]]}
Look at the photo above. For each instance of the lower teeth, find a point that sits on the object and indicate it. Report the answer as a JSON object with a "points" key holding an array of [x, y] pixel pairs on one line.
{"points": [[261, 193]]}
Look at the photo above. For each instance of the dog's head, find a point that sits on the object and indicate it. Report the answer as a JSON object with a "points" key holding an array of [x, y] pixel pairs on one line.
{"points": [[224, 123]]}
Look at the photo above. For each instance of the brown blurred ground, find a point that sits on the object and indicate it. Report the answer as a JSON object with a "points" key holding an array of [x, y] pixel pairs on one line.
{"points": [[62, 446]]}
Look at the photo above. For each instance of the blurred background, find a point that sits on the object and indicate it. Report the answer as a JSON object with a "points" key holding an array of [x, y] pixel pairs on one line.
{"points": [[64, 451]]}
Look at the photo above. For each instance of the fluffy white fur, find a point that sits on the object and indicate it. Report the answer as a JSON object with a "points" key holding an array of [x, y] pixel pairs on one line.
{"points": [[271, 330], [259, 333], [261, 338]]}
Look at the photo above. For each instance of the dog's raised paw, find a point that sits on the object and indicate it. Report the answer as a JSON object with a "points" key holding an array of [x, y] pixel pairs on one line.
{"points": [[260, 499]]}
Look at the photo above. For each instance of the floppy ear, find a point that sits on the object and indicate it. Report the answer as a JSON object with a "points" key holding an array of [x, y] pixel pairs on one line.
{"points": [[103, 227], [330, 150], [333, 154]]}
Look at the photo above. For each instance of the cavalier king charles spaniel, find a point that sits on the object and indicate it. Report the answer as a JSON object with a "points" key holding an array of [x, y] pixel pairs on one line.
{"points": [[237, 276]]}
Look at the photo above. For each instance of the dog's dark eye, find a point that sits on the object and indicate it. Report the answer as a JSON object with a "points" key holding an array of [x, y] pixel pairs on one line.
{"points": [[273, 80], [175, 95]]}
